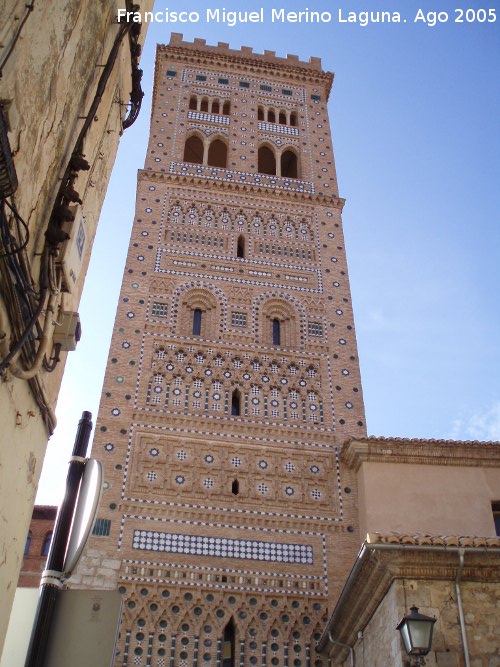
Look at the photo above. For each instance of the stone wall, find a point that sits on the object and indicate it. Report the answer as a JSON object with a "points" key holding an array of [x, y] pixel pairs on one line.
{"points": [[46, 89], [380, 644]]}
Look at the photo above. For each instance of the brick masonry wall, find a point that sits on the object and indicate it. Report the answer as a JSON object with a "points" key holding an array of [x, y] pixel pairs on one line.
{"points": [[46, 89], [41, 526], [216, 516]]}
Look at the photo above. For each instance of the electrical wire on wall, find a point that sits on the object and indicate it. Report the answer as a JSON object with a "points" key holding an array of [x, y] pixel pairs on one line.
{"points": [[30, 307], [28, 8]]}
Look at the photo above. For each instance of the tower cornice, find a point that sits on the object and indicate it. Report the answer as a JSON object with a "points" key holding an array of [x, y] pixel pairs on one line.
{"points": [[244, 188]]}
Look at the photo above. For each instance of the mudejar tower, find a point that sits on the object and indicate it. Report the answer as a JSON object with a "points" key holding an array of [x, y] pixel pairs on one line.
{"points": [[228, 520]]}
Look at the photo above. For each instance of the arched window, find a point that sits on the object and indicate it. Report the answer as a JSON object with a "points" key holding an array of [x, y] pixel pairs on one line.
{"points": [[46, 544], [192, 102], [266, 161], [196, 322], [204, 104], [289, 165], [280, 324], [198, 314], [240, 251], [271, 116], [293, 119], [228, 645], [226, 108], [235, 403], [282, 118], [28, 544], [217, 154], [276, 332], [193, 150], [235, 487], [216, 106], [260, 114]]}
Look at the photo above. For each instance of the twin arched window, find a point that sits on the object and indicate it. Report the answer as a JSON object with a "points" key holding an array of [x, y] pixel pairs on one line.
{"points": [[285, 164], [212, 153]]}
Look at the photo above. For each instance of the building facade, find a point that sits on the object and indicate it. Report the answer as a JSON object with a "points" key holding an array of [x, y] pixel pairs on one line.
{"points": [[37, 545], [428, 521], [228, 520], [69, 86]]}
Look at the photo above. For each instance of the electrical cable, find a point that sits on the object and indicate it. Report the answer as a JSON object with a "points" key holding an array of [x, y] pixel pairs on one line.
{"points": [[45, 340], [10, 47], [22, 339], [26, 229], [54, 234], [34, 318]]}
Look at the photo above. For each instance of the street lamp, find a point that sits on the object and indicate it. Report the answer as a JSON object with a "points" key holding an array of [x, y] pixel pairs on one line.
{"points": [[416, 633]]}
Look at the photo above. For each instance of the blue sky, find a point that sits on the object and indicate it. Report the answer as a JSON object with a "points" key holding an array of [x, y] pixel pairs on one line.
{"points": [[415, 121]]}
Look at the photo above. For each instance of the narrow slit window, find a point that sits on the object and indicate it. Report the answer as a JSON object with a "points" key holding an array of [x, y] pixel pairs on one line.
{"points": [[28, 544], [46, 544], [276, 332], [235, 403], [197, 322], [240, 251], [235, 487]]}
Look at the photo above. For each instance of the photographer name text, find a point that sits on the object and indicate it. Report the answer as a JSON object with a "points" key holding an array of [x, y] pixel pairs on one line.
{"points": [[234, 18]]}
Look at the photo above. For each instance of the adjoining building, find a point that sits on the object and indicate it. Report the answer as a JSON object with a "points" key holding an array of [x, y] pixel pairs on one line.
{"points": [[37, 545], [430, 540], [239, 482], [69, 86]]}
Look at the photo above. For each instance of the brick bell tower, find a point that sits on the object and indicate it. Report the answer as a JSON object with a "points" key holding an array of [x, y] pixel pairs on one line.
{"points": [[228, 520]]}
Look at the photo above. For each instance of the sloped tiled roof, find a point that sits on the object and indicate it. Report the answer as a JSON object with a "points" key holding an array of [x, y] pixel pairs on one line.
{"points": [[423, 539]]}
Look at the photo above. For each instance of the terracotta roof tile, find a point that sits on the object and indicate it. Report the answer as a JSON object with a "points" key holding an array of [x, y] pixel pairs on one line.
{"points": [[421, 539]]}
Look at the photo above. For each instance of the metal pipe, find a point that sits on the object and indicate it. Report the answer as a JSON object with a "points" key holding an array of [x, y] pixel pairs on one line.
{"points": [[461, 619], [52, 576], [351, 650]]}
